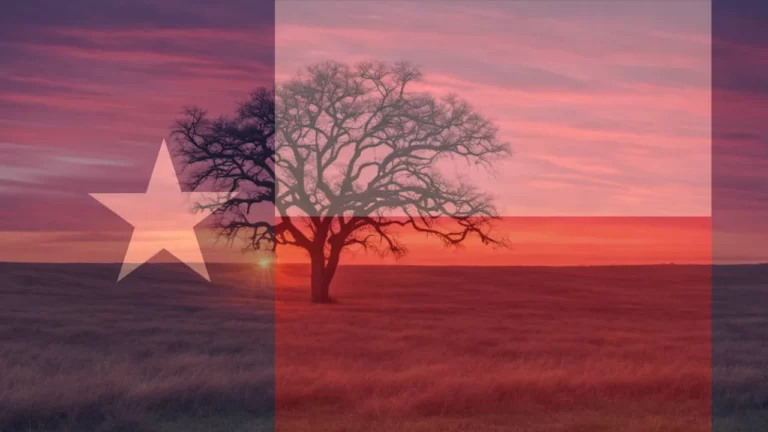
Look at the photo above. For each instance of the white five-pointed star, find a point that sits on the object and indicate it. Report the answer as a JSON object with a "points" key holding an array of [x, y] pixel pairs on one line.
{"points": [[163, 218]]}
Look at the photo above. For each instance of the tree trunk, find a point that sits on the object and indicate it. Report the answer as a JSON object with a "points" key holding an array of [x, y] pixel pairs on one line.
{"points": [[319, 283]]}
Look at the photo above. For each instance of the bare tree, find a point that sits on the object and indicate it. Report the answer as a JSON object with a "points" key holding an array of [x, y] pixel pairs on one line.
{"points": [[233, 155], [357, 160]]}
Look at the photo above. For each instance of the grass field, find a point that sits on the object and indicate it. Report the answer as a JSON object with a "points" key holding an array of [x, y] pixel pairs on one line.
{"points": [[161, 351], [405, 349], [740, 348]]}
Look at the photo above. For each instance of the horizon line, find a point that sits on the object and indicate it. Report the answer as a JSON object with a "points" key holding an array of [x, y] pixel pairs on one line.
{"points": [[689, 264]]}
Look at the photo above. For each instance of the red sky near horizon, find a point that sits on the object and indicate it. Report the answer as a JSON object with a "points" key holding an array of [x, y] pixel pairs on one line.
{"points": [[607, 108], [536, 241], [558, 241]]}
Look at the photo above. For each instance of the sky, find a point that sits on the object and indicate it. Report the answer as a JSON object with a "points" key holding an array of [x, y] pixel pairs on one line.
{"points": [[606, 107], [557, 241], [740, 95], [89, 90]]}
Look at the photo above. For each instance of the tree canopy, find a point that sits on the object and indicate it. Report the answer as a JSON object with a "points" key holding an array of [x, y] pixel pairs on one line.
{"points": [[349, 157]]}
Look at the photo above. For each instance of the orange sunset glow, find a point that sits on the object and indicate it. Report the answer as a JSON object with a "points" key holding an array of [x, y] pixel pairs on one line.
{"points": [[534, 241], [558, 241]]}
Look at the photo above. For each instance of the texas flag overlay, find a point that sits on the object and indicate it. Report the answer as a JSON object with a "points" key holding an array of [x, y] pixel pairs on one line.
{"points": [[383, 216]]}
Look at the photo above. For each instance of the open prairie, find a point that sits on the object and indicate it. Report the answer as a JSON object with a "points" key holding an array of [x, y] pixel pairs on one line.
{"points": [[497, 349], [406, 348], [163, 350]]}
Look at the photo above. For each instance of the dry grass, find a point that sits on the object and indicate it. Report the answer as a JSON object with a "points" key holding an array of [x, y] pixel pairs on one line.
{"points": [[507, 349], [740, 348], [406, 349], [81, 353]]}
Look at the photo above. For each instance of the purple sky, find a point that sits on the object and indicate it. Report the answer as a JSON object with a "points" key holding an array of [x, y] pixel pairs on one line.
{"points": [[88, 91]]}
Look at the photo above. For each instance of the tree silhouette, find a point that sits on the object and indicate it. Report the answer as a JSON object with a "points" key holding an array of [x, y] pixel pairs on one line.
{"points": [[233, 155], [350, 160]]}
